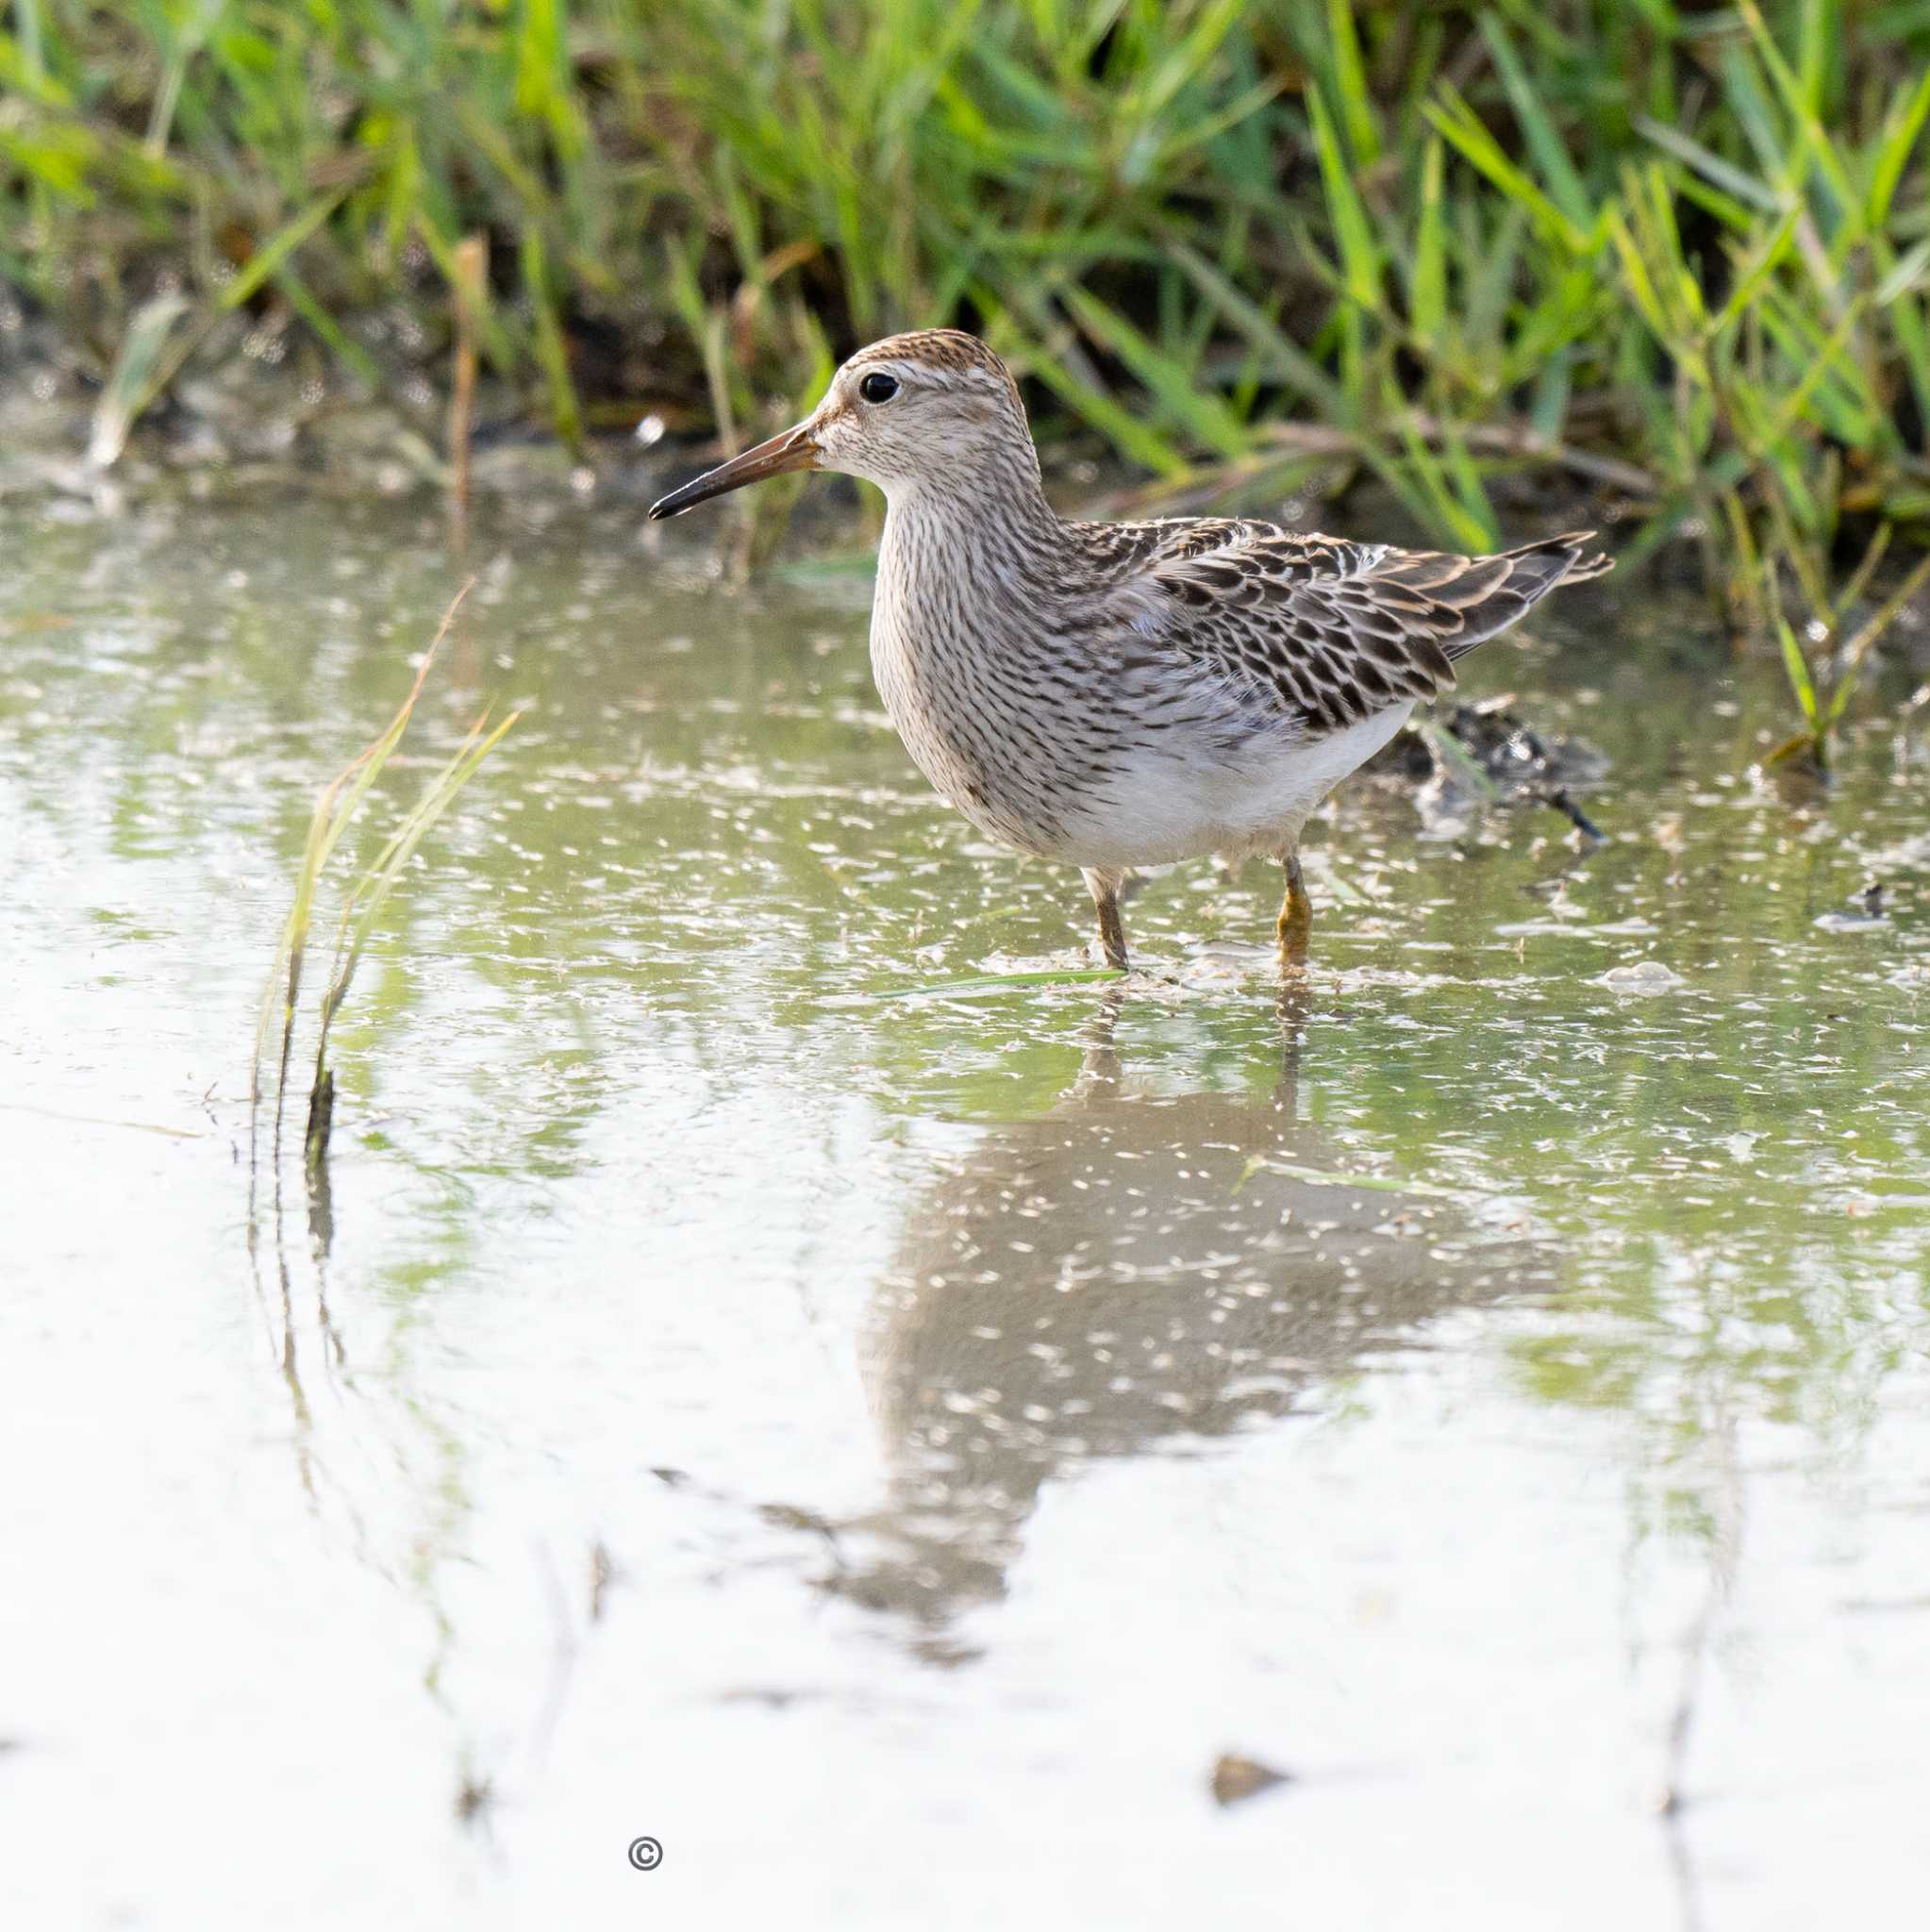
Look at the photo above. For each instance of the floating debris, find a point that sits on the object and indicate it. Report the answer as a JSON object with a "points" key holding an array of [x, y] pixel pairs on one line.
{"points": [[1235, 1778], [475, 1797], [1320, 1177], [1643, 977], [980, 987], [1868, 912], [603, 1572], [1486, 753]]}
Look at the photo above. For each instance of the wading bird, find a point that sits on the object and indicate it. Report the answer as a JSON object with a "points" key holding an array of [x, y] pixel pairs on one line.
{"points": [[1123, 695]]}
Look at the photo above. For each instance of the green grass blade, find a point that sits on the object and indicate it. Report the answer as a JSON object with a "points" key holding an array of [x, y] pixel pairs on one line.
{"points": [[276, 250], [1865, 640], [341, 799], [1174, 384], [1801, 681], [1284, 359], [1428, 292], [141, 369], [1464, 130], [372, 890], [1360, 256], [1544, 144], [1725, 174], [1899, 141], [1350, 84]]}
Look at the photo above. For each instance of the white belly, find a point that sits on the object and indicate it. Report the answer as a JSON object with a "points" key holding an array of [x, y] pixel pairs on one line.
{"points": [[1169, 803]]}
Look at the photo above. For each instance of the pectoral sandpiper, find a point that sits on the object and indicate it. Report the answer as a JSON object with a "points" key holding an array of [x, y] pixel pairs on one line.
{"points": [[1123, 695]]}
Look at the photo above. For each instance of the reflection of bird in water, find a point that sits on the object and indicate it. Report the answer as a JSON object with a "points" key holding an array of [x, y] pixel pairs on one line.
{"points": [[1116, 1274]]}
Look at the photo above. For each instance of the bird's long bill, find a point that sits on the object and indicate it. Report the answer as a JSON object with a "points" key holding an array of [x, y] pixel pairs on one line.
{"points": [[796, 449]]}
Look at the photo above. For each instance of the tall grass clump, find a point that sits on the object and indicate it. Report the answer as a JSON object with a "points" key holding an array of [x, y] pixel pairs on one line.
{"points": [[367, 893], [1678, 255]]}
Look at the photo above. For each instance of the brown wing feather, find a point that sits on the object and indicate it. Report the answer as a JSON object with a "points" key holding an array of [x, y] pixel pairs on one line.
{"points": [[1337, 631]]}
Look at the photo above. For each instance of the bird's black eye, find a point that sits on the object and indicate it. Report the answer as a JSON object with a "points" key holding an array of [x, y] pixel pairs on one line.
{"points": [[878, 387]]}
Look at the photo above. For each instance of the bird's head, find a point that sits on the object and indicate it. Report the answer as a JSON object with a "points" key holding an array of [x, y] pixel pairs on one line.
{"points": [[933, 407]]}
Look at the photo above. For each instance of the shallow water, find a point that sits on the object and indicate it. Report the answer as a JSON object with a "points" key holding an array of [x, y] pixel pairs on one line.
{"points": [[886, 1439]]}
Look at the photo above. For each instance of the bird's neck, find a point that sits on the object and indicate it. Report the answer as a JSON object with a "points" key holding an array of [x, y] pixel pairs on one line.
{"points": [[971, 528]]}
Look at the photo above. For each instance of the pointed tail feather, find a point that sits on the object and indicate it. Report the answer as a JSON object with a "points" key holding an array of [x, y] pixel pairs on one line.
{"points": [[1581, 562], [1489, 594]]}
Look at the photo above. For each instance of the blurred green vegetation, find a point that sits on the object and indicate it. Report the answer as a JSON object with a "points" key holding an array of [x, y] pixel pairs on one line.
{"points": [[1683, 254]]}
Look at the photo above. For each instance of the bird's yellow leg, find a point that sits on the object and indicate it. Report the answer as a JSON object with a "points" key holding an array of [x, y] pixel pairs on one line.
{"points": [[1104, 886], [1296, 917]]}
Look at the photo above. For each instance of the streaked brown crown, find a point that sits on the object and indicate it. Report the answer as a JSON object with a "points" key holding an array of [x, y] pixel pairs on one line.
{"points": [[937, 348], [950, 350]]}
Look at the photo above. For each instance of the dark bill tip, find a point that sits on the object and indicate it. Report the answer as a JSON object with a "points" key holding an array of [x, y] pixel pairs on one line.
{"points": [[678, 501], [794, 450]]}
